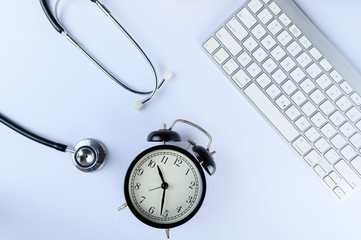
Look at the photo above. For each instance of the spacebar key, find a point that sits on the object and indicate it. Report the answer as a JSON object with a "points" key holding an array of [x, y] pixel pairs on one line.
{"points": [[271, 112]]}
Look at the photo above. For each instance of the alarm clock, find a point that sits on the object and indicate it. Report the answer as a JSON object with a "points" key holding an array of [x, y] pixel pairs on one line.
{"points": [[165, 185]]}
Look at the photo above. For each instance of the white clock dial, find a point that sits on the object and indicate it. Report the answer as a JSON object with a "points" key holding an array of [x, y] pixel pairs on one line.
{"points": [[169, 202]]}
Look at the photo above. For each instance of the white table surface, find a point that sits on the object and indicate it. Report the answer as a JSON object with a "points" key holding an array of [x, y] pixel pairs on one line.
{"points": [[261, 189]]}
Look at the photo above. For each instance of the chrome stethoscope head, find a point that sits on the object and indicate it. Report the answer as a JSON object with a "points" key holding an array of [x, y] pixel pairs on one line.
{"points": [[59, 28]]}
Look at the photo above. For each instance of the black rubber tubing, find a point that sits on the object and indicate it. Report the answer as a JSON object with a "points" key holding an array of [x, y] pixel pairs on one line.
{"points": [[50, 16], [7, 122]]}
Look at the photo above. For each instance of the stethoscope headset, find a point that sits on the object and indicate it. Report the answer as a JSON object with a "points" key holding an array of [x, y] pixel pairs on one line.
{"points": [[54, 20]]}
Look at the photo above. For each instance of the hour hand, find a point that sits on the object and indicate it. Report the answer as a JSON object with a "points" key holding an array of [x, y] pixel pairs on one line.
{"points": [[160, 174]]}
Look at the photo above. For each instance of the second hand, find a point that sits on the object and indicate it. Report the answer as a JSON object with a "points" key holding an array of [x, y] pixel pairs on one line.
{"points": [[155, 188]]}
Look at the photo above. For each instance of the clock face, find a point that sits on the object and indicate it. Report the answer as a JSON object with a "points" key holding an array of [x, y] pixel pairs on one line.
{"points": [[164, 186]]}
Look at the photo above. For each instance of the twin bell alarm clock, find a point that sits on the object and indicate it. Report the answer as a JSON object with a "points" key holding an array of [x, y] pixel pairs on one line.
{"points": [[165, 185]]}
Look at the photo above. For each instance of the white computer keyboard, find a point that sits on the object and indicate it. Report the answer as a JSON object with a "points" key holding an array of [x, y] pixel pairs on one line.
{"points": [[300, 82]]}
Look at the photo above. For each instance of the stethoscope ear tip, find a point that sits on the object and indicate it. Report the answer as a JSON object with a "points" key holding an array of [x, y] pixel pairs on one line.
{"points": [[137, 105], [167, 75], [89, 155]]}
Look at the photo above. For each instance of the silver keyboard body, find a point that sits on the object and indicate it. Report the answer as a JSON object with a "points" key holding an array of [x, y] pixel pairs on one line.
{"points": [[300, 82]]}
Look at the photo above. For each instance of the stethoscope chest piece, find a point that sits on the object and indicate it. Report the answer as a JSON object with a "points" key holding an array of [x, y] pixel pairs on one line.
{"points": [[89, 155]]}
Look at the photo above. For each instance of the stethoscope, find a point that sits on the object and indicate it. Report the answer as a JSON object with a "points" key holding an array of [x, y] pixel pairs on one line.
{"points": [[88, 154], [59, 28]]}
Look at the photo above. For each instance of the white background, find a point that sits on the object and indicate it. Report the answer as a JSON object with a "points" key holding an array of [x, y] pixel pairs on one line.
{"points": [[261, 189]]}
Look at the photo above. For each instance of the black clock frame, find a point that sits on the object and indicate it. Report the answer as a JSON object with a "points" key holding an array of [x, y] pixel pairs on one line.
{"points": [[127, 180]]}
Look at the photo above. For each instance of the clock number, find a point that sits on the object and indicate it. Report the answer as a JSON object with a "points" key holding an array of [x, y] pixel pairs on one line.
{"points": [[192, 185], [137, 186], [190, 198], [178, 162], [179, 209], [164, 159], [143, 198], [151, 164], [140, 171], [151, 210], [165, 214], [187, 172]]}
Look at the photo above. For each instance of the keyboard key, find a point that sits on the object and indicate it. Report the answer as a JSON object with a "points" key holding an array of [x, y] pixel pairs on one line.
{"points": [[302, 123], [268, 42], [319, 170], [317, 96], [228, 41], [346, 88], [313, 158], [336, 76], [356, 140], [340, 182], [211, 45], [246, 18], [244, 59], [348, 174], [278, 53], [314, 70], [274, 8], [328, 130], [283, 102], [274, 27], [329, 182], [279, 76], [294, 49], [266, 1], [304, 59], [302, 146], [250, 44], [307, 86], [288, 64], [325, 65], [297, 75], [299, 98], [337, 118], [255, 5], [237, 29], [334, 92], [343, 103], [254, 69], [241, 78], [318, 119], [295, 31], [323, 81], [339, 192], [284, 38], [220, 56], [285, 19], [348, 153], [327, 107], [322, 145], [353, 114], [230, 67], [356, 163], [305, 42], [315, 53], [347, 129], [278, 120], [265, 16], [356, 98], [312, 134], [332, 156], [263, 80], [260, 54], [273, 91], [259, 31], [293, 113], [269, 65], [308, 108], [338, 141], [358, 125], [289, 87]]}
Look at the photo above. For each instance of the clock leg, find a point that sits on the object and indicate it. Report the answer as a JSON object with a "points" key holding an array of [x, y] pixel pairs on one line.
{"points": [[167, 232], [124, 206]]}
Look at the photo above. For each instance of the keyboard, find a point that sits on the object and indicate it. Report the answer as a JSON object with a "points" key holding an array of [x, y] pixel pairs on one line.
{"points": [[279, 60]]}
